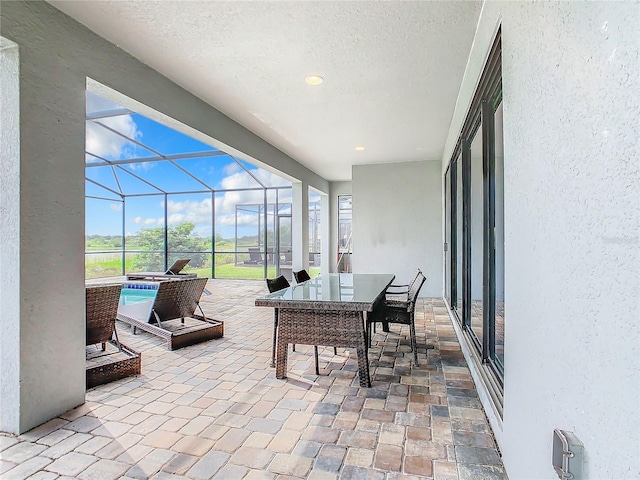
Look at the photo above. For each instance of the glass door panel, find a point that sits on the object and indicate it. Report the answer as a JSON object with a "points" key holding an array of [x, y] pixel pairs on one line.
{"points": [[447, 236], [345, 217], [499, 240], [315, 232], [459, 225], [476, 233]]}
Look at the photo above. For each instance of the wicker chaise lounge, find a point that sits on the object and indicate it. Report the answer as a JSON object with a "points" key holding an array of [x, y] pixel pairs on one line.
{"points": [[173, 272], [172, 315], [255, 257], [111, 360]]}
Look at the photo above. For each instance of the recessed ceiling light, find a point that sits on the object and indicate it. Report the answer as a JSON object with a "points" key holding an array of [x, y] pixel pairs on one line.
{"points": [[314, 80], [359, 148]]}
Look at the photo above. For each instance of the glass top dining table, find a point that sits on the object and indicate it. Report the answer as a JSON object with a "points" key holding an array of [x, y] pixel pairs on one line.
{"points": [[343, 291], [327, 310]]}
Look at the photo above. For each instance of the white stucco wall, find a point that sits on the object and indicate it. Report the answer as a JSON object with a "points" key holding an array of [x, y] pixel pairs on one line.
{"points": [[572, 343], [57, 55], [397, 218], [9, 234], [48, 279]]}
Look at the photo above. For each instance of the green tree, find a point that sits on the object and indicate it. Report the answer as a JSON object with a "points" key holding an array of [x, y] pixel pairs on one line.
{"points": [[181, 239]]}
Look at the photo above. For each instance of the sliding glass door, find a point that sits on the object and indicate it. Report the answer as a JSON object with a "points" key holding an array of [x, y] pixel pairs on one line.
{"points": [[474, 190], [457, 202]]}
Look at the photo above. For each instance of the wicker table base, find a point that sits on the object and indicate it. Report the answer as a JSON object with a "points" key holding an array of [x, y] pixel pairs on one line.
{"points": [[331, 328]]}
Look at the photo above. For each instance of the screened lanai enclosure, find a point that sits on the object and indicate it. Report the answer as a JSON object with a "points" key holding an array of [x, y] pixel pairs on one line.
{"points": [[155, 195]]}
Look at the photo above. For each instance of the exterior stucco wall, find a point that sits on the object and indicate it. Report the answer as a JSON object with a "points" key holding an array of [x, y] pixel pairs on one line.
{"points": [[397, 217], [49, 276], [572, 251], [9, 234], [57, 56]]}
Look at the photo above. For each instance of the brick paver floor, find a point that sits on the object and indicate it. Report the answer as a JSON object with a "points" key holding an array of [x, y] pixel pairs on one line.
{"points": [[216, 410]]}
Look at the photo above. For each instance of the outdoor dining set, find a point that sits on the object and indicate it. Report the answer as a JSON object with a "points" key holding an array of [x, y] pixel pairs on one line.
{"points": [[339, 310]]}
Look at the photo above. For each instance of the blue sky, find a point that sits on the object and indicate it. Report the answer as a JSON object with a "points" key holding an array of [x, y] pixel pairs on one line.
{"points": [[104, 217]]}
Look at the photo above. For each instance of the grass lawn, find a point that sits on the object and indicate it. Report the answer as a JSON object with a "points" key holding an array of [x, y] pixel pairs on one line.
{"points": [[113, 267], [229, 270]]}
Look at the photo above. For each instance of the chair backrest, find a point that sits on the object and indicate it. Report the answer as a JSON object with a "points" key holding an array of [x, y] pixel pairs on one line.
{"points": [[178, 298], [301, 276], [414, 289], [394, 288], [177, 266], [278, 283], [101, 310], [415, 279]]}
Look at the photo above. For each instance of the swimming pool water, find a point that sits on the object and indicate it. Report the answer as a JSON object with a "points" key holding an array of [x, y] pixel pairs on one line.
{"points": [[129, 296]]}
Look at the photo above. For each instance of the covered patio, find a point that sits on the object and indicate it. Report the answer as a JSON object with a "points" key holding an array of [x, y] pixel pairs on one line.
{"points": [[491, 144], [216, 410]]}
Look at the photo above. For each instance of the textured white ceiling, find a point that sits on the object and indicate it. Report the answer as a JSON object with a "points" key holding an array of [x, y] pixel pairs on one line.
{"points": [[392, 69]]}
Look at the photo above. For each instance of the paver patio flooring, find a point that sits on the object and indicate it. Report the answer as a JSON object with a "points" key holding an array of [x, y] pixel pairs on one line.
{"points": [[216, 410]]}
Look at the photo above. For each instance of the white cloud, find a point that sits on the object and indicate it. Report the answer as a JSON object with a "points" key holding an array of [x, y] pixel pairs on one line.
{"points": [[285, 196], [231, 168], [138, 167], [116, 207], [227, 203], [189, 211], [97, 103], [177, 218], [147, 221], [244, 220], [242, 179], [199, 212], [104, 143], [271, 179], [101, 141]]}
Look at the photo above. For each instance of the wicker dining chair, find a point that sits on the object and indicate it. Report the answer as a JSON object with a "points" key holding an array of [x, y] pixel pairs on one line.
{"points": [[301, 276], [278, 283], [399, 311], [273, 285], [397, 294]]}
